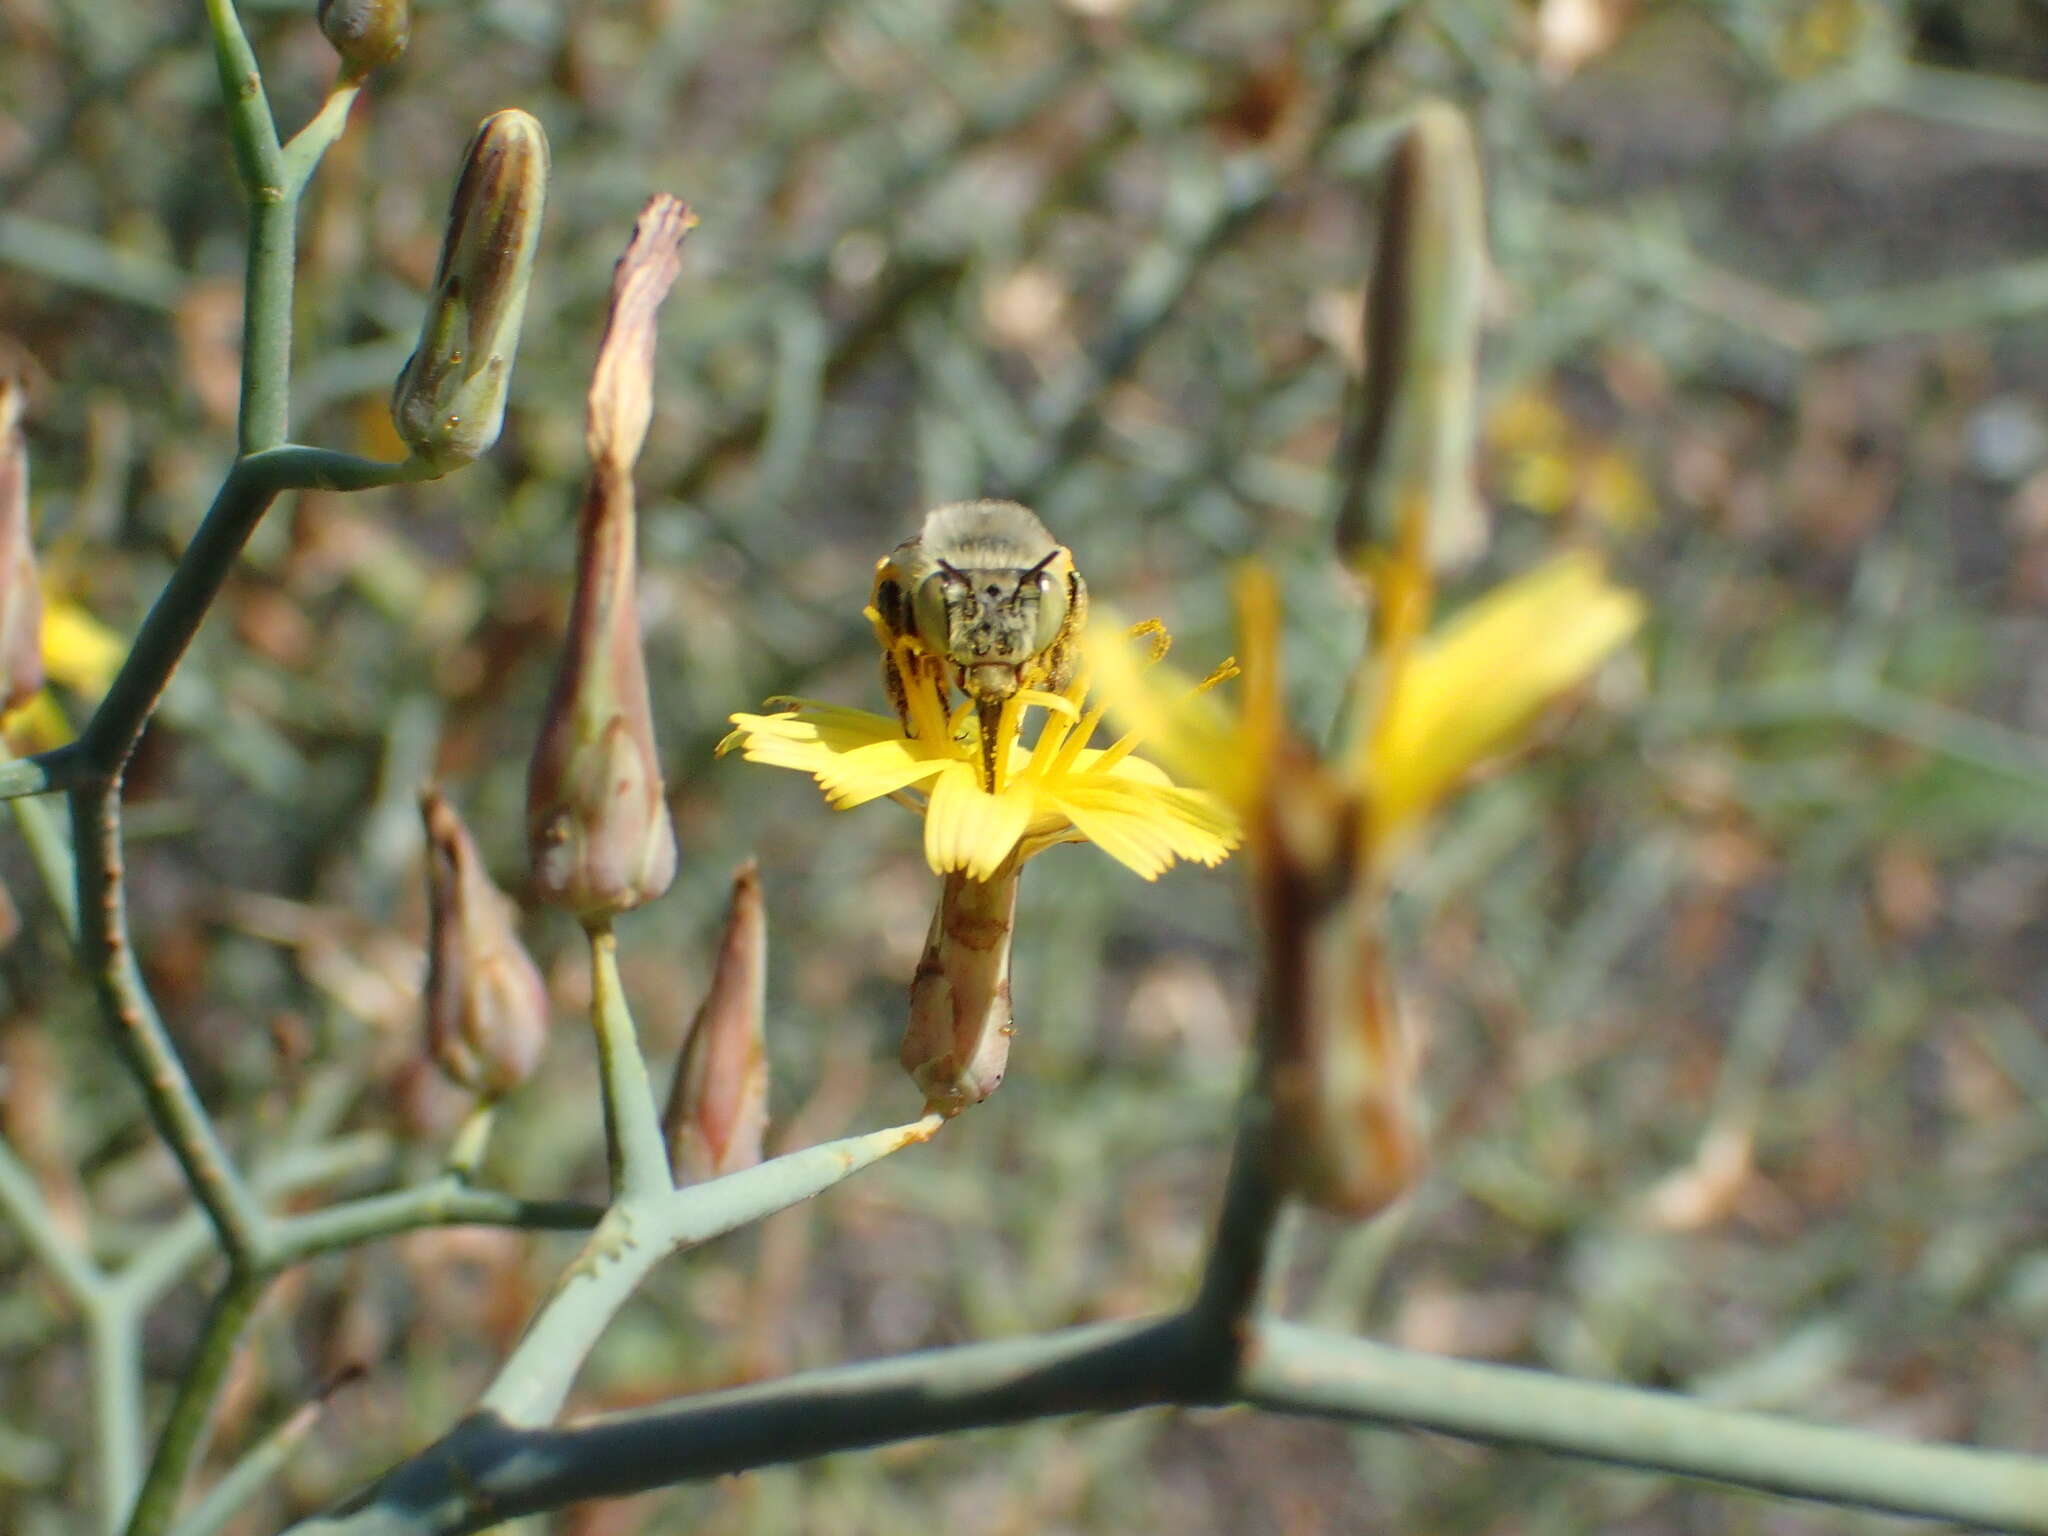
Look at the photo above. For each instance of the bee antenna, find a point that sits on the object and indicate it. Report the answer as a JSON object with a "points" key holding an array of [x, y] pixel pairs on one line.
{"points": [[1039, 569]]}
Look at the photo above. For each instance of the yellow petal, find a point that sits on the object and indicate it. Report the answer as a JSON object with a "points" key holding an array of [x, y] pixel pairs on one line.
{"points": [[878, 769], [966, 827], [1187, 730], [1471, 690], [1146, 827]]}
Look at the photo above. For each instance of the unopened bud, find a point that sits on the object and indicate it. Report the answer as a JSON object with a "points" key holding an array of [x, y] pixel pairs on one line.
{"points": [[1406, 463], [718, 1107], [1337, 1066], [368, 34], [958, 1042], [597, 823], [21, 593], [449, 402], [487, 1007]]}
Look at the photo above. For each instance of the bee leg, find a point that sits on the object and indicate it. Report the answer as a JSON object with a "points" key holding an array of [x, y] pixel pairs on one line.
{"points": [[892, 681]]}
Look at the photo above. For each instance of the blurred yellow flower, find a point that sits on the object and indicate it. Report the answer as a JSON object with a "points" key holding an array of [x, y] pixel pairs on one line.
{"points": [[1441, 705], [78, 650], [1546, 462], [1058, 789]]}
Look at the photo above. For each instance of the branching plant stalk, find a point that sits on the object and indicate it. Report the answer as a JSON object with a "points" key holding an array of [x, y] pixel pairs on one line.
{"points": [[638, 1232], [139, 1036], [184, 1434]]}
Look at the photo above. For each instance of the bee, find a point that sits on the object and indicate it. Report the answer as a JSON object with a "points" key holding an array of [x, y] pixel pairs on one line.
{"points": [[993, 598]]}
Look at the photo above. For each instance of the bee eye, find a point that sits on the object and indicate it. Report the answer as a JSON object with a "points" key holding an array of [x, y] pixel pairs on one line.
{"points": [[1052, 610]]}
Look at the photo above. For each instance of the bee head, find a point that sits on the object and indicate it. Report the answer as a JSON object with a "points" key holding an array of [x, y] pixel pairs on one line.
{"points": [[990, 621]]}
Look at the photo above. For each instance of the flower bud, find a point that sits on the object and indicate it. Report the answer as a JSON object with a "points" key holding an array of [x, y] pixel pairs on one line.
{"points": [[596, 820], [21, 594], [958, 1041], [1337, 1066], [718, 1106], [449, 402], [368, 34], [487, 1007], [1406, 462]]}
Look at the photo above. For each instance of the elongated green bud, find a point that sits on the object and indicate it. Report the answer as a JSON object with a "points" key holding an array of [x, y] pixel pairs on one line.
{"points": [[449, 402], [368, 34], [1405, 464], [21, 593], [718, 1106], [487, 1007], [957, 1045], [596, 821]]}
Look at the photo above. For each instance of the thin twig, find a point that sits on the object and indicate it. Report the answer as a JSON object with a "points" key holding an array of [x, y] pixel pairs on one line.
{"points": [[191, 1416], [140, 1038]]}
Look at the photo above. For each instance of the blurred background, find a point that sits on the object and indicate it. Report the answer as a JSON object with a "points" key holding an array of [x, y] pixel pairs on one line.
{"points": [[1733, 996]]}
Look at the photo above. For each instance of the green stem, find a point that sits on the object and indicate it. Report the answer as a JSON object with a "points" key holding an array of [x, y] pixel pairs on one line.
{"points": [[446, 1202], [175, 617], [21, 1197], [1302, 1370], [273, 230], [169, 1256], [265, 413], [638, 1233], [65, 767], [114, 1345], [302, 155], [250, 126], [472, 1140], [486, 1471], [191, 1414], [257, 1466], [51, 854], [1236, 1266], [632, 1125], [143, 1043]]}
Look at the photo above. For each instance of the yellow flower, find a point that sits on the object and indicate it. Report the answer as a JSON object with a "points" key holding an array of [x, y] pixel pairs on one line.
{"points": [[1441, 705], [1057, 789]]}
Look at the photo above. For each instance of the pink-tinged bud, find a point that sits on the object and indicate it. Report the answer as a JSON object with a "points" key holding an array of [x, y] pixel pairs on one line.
{"points": [[21, 593], [718, 1107], [449, 402], [958, 1041], [1337, 1065], [597, 823], [487, 1007], [368, 34]]}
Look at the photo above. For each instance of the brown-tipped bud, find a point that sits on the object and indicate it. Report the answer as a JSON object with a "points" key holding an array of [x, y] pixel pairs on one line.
{"points": [[487, 1007], [958, 1041], [718, 1106], [21, 593], [1337, 1065], [597, 824], [449, 402], [1406, 461], [368, 34]]}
